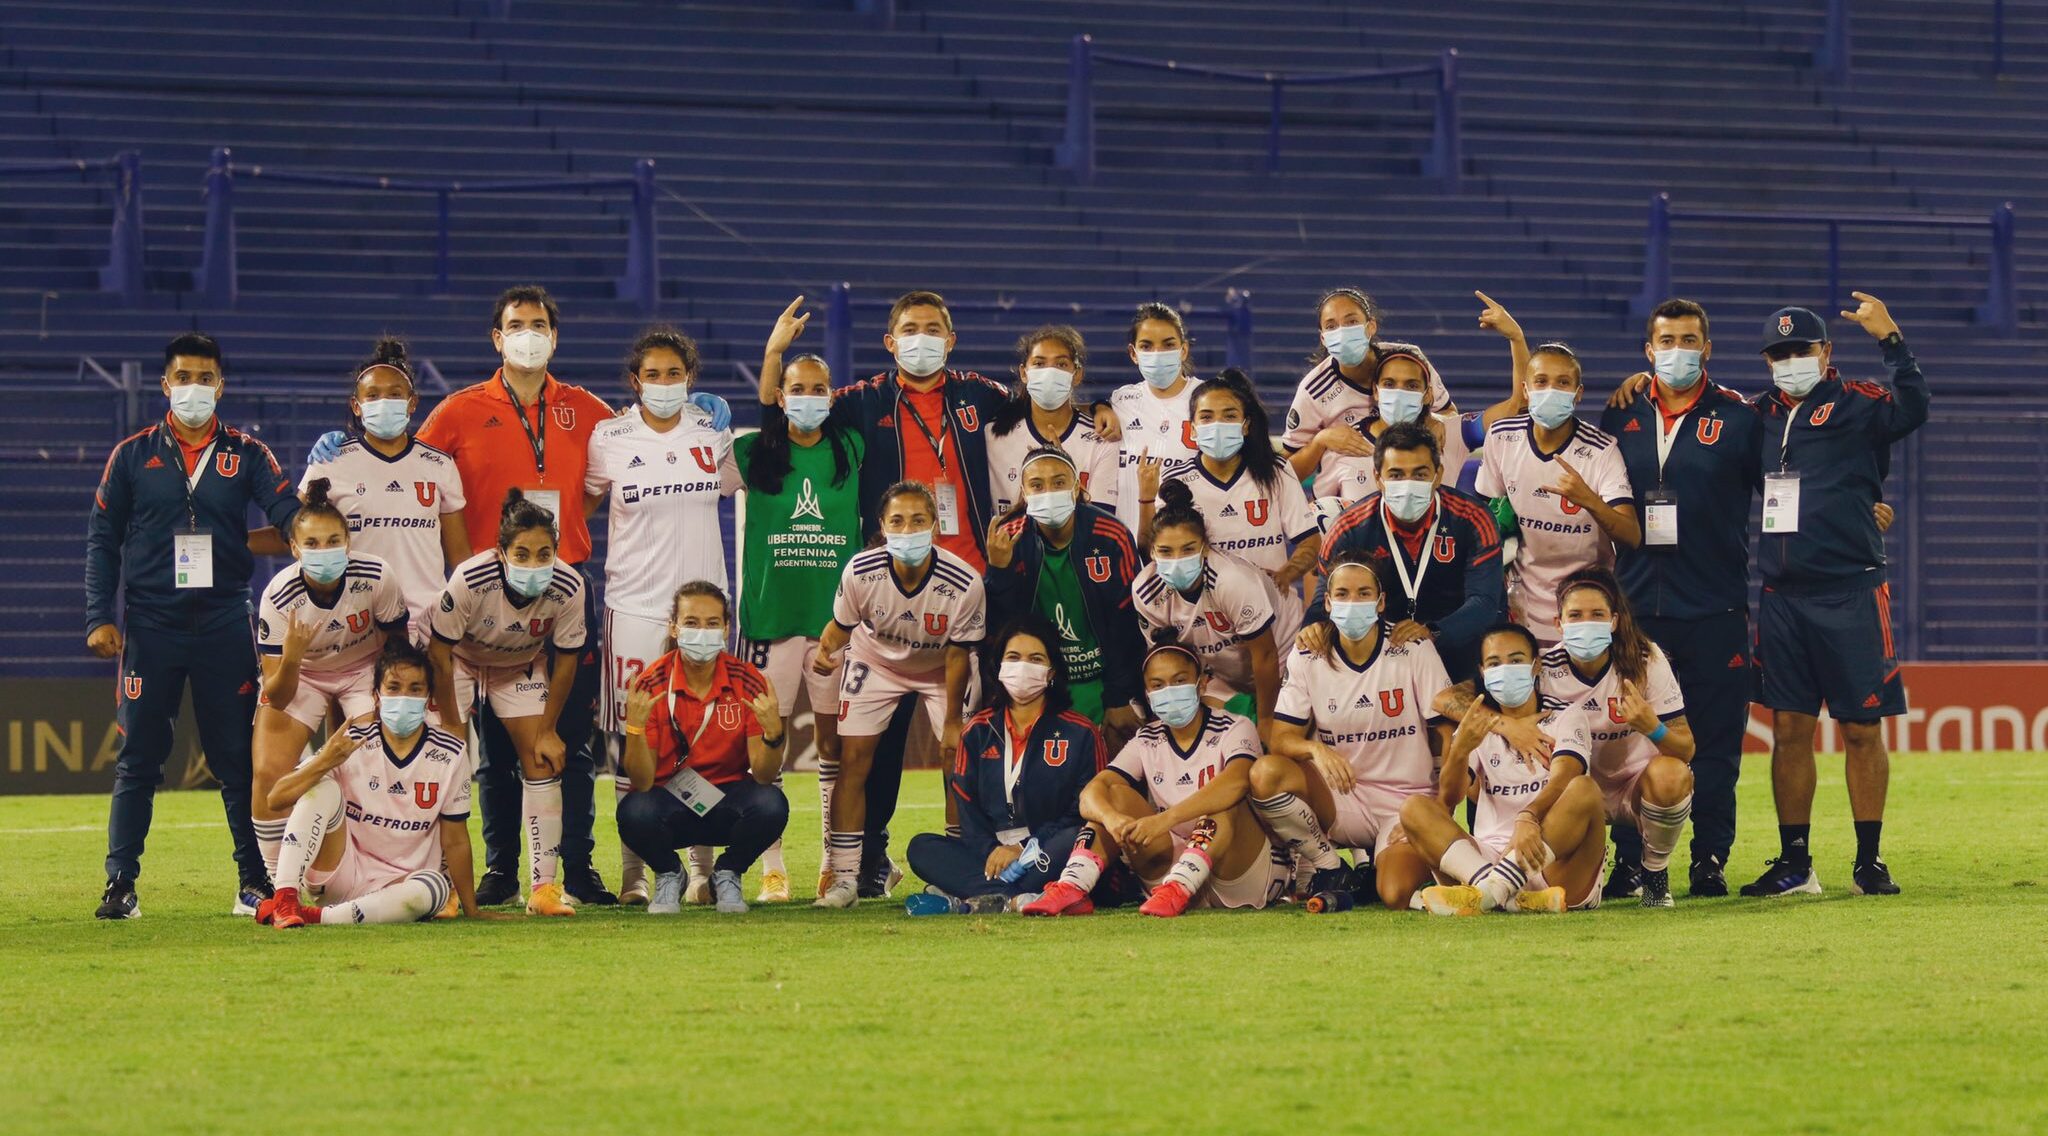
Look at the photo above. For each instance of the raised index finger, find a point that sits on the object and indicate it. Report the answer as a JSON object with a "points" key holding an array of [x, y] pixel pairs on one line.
{"points": [[1489, 301], [1866, 297], [793, 306]]}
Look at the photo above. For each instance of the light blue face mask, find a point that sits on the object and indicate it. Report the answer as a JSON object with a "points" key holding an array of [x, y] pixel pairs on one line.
{"points": [[807, 412], [920, 356], [323, 565], [1349, 344], [1049, 387], [1511, 684], [700, 644], [1219, 441], [401, 715], [529, 582], [1588, 640], [1407, 500], [193, 404], [664, 400], [912, 548], [1551, 408], [385, 418], [1679, 366], [1160, 368], [1399, 407], [1055, 508], [1353, 619], [1176, 705], [1179, 572]]}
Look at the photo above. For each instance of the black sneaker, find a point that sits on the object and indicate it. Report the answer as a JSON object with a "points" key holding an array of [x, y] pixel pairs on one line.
{"points": [[1872, 879], [1657, 888], [496, 888], [585, 886], [1365, 884], [118, 901], [1328, 879], [1708, 880], [1783, 877], [1624, 882], [879, 879], [250, 895]]}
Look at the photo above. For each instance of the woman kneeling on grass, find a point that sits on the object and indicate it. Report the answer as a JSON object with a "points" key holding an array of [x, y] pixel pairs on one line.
{"points": [[378, 812], [1172, 805]]}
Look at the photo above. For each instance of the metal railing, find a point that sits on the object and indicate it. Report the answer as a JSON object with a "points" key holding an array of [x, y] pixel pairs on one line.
{"points": [[1999, 311], [1076, 151], [122, 274], [217, 279]]}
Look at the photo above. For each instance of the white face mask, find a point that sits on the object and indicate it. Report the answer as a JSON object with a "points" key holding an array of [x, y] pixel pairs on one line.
{"points": [[920, 355], [528, 349], [1349, 344], [1797, 376], [1049, 387], [193, 404], [1160, 368], [1407, 500], [664, 400], [1054, 508], [1024, 680], [1399, 407]]}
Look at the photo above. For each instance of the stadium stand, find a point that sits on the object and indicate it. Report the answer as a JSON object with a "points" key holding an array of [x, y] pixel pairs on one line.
{"points": [[799, 144]]}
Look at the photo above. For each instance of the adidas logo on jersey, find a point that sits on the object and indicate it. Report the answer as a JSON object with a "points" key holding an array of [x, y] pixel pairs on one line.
{"points": [[1229, 510], [636, 463], [906, 617], [492, 421], [333, 625], [1364, 702], [1185, 779], [394, 487], [807, 504], [153, 463], [1632, 427], [396, 789]]}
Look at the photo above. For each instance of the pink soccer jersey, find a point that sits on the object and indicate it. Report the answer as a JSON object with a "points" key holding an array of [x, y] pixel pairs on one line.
{"points": [[663, 491], [1094, 457], [345, 634], [908, 632], [1153, 424], [478, 614], [1620, 752], [1507, 783], [1236, 603], [1558, 537], [1156, 767], [1326, 398], [393, 802], [395, 507], [1375, 715]]}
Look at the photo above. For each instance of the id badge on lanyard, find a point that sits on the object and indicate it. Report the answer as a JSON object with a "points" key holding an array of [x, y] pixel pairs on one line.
{"points": [[192, 550], [1660, 506], [687, 785], [945, 494], [1781, 489]]}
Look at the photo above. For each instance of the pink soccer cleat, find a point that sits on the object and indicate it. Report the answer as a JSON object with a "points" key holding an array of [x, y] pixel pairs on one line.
{"points": [[1060, 898], [1167, 900]]}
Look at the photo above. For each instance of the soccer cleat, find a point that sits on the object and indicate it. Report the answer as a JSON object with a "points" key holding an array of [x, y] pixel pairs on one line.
{"points": [[1166, 901], [118, 901], [547, 899], [583, 885], [774, 888], [252, 892], [1708, 880], [1782, 877], [841, 894], [451, 909], [1456, 899], [668, 894], [1543, 901], [879, 880], [1060, 898], [1871, 879], [634, 894], [1328, 879], [699, 891], [1624, 882], [284, 910], [1364, 883], [496, 889], [1657, 888], [726, 891], [825, 878], [991, 903]]}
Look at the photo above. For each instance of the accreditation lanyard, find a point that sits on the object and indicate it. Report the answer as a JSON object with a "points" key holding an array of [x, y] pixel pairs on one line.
{"points": [[192, 479], [1013, 762], [538, 442], [936, 441], [710, 704], [1411, 587]]}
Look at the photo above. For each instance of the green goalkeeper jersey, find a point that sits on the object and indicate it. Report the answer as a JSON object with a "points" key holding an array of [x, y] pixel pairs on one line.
{"points": [[797, 541]]}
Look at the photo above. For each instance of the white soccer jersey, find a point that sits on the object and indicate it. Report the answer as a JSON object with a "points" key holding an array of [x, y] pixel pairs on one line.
{"points": [[1324, 398], [1247, 520], [1236, 603], [664, 491], [1355, 479], [1620, 752], [394, 508], [1156, 767], [908, 632], [1160, 425], [478, 614], [1095, 457], [1558, 537], [346, 632], [394, 803], [1376, 715], [1507, 783]]}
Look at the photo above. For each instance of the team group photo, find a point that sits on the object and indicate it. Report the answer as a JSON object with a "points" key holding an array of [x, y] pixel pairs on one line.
{"points": [[904, 656]]}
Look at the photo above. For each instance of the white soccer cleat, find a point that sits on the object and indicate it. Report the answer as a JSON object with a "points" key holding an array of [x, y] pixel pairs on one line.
{"points": [[842, 894]]}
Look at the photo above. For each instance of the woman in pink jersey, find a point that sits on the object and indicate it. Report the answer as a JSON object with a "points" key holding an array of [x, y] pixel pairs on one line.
{"points": [[1217, 604], [1171, 806], [506, 612], [1642, 744], [1338, 397], [1354, 737], [908, 617], [319, 628]]}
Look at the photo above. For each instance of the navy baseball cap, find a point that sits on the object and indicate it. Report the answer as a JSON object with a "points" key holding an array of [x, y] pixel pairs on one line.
{"points": [[1794, 326]]}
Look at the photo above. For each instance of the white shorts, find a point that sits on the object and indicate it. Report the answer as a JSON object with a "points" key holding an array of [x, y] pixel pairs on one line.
{"points": [[868, 695], [1497, 848], [631, 643], [514, 692], [1261, 885], [787, 664], [355, 689], [1620, 797], [1369, 816]]}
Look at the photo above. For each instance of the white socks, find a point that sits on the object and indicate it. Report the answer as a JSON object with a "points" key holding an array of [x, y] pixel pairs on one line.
{"points": [[543, 802], [1661, 826], [631, 867], [1084, 863], [842, 856], [416, 897], [1291, 819], [269, 836], [316, 814]]}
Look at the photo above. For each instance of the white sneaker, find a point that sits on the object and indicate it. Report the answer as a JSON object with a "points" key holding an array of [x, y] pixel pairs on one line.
{"points": [[699, 891], [842, 893], [731, 900], [668, 895]]}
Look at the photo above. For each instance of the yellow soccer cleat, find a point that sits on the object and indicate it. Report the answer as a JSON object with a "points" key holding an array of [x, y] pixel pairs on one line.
{"points": [[547, 899], [1548, 901], [1458, 899], [825, 878], [452, 908], [774, 888]]}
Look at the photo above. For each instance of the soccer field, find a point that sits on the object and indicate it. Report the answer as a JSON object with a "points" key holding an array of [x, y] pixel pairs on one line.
{"points": [[1926, 1012]]}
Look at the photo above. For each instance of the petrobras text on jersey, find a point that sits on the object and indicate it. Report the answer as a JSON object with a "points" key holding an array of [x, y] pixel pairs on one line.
{"points": [[1367, 737], [356, 815], [359, 524]]}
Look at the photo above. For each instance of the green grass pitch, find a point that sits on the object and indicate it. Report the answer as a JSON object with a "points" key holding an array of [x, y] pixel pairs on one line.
{"points": [[1923, 1013]]}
